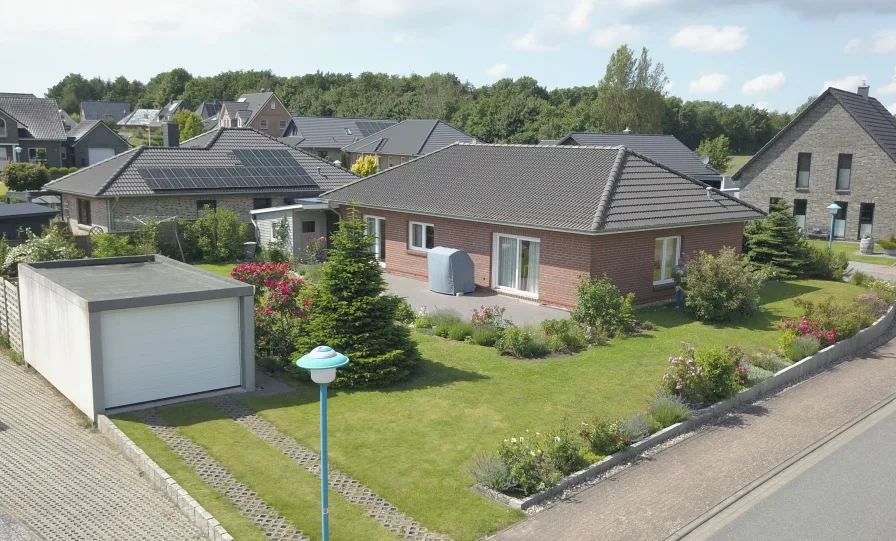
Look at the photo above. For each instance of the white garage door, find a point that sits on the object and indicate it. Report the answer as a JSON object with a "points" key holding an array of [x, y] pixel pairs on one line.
{"points": [[96, 155], [160, 352]]}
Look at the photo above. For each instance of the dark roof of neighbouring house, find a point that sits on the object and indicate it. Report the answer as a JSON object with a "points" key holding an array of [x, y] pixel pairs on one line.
{"points": [[570, 188], [100, 110], [167, 113], [140, 117], [38, 116], [247, 106], [548, 142], [19, 210], [869, 113], [411, 138], [227, 160], [67, 121], [85, 127], [334, 132], [208, 109], [665, 149]]}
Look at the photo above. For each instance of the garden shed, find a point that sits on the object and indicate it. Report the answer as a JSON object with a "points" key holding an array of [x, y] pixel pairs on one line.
{"points": [[119, 331], [24, 216]]}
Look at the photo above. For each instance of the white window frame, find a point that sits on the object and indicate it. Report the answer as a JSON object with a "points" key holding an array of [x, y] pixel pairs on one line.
{"points": [[2, 128], [390, 162], [379, 257], [663, 269], [496, 260], [273, 105], [282, 124], [264, 124], [411, 236]]}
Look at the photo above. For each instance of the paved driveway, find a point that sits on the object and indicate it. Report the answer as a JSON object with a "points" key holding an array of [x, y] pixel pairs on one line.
{"points": [[66, 482], [881, 272], [418, 294]]}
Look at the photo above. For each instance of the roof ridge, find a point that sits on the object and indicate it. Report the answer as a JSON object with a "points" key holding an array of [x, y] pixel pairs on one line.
{"points": [[428, 135], [114, 176], [603, 205]]}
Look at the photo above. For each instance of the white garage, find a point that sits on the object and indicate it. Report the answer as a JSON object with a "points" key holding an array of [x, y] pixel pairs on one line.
{"points": [[98, 154], [115, 332]]}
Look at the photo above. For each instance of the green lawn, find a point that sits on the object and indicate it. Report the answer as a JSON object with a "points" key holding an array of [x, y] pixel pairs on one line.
{"points": [[849, 248], [223, 268], [736, 163], [412, 442]]}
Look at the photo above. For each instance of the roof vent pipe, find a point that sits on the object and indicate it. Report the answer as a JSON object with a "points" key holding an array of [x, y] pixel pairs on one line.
{"points": [[627, 131]]}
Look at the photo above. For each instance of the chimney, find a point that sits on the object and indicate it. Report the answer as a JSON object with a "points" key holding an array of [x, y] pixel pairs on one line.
{"points": [[627, 131], [863, 89], [170, 134]]}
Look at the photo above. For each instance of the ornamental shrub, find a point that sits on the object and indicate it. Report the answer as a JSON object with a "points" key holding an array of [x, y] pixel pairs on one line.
{"points": [[860, 279], [769, 361], [757, 374], [51, 245], [792, 329], [352, 315], [490, 471], [706, 376], [485, 336], [801, 347], [522, 343], [22, 176], [564, 336], [888, 244], [720, 288], [490, 316], [884, 290], [259, 274], [778, 242], [825, 264], [460, 331], [404, 312], [599, 304], [218, 235], [635, 427], [531, 470], [111, 245], [847, 319], [666, 409], [604, 436], [872, 303]]}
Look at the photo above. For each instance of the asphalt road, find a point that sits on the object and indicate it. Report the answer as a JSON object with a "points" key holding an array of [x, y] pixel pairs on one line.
{"points": [[846, 489]]}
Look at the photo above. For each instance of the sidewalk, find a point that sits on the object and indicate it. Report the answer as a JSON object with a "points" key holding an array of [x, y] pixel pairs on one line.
{"points": [[66, 482], [657, 496]]}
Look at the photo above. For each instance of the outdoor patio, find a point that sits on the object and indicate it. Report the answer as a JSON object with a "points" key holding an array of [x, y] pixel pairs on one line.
{"points": [[519, 311]]}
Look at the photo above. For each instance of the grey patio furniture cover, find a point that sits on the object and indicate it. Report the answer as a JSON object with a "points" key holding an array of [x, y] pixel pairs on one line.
{"points": [[450, 271]]}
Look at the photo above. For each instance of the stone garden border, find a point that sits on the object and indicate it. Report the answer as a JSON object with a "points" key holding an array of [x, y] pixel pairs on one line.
{"points": [[786, 376], [162, 481]]}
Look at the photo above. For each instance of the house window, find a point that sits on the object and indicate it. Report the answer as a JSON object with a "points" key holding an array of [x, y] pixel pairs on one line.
{"points": [[866, 219], [799, 212], [376, 227], [264, 124], [202, 203], [772, 201], [2, 128], [261, 203], [282, 125], [666, 252], [84, 212], [62, 154], [322, 154], [309, 226], [421, 236], [803, 164], [840, 219], [844, 171], [347, 131], [390, 161], [516, 262], [273, 106], [37, 155]]}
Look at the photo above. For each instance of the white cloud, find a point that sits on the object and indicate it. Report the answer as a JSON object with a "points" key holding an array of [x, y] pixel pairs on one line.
{"points": [[580, 17], [641, 3], [707, 38], [611, 37], [552, 32], [765, 83], [892, 108], [761, 105], [885, 41], [852, 46], [849, 83], [538, 40], [498, 70], [406, 39], [708, 84]]}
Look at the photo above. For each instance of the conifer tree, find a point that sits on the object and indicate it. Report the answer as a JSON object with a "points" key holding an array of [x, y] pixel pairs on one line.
{"points": [[778, 242]]}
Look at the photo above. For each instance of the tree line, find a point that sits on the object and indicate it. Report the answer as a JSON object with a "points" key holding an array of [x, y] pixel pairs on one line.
{"points": [[630, 95]]}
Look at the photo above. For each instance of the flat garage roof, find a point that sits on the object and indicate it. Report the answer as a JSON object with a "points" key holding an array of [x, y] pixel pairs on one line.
{"points": [[128, 282]]}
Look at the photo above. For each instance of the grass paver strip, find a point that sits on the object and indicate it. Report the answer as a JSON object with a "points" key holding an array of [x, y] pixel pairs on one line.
{"points": [[377, 507], [212, 473]]}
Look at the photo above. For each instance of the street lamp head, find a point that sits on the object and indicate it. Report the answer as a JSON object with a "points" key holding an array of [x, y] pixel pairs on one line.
{"points": [[322, 362], [18, 149], [833, 209]]}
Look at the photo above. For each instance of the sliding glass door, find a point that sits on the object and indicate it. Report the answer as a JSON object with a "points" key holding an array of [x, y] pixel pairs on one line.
{"points": [[516, 261], [376, 226]]}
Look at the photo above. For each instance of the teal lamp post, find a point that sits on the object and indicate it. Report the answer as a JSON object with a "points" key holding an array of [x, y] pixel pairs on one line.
{"points": [[833, 209], [322, 362]]}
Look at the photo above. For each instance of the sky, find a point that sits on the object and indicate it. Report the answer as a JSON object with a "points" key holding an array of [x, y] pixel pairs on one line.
{"points": [[770, 53]]}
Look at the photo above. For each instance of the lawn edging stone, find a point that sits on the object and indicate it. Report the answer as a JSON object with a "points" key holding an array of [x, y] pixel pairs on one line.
{"points": [[784, 377], [160, 479]]}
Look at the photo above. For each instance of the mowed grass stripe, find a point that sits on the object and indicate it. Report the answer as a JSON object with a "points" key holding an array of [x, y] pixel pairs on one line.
{"points": [[213, 501], [285, 486]]}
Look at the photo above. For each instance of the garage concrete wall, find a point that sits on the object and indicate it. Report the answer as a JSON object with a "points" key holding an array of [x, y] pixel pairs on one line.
{"points": [[56, 338], [264, 224]]}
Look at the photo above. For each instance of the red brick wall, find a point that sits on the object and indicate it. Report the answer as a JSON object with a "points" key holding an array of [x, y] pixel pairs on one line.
{"points": [[565, 257]]}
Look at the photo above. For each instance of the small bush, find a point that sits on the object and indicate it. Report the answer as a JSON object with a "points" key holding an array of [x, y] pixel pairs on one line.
{"points": [[490, 471], [404, 312], [111, 245], [667, 409], [491, 316], [635, 427], [604, 436], [756, 374], [521, 342], [872, 303], [884, 290], [599, 304], [460, 331], [769, 361], [826, 264], [530, 463], [485, 336], [704, 376], [442, 320], [720, 288], [274, 254], [847, 319], [218, 234], [888, 244], [22, 176], [424, 321], [647, 325], [860, 279], [564, 336], [312, 273], [51, 245], [802, 347], [563, 449]]}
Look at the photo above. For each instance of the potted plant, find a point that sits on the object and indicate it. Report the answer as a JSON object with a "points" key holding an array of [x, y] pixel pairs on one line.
{"points": [[889, 245], [867, 244]]}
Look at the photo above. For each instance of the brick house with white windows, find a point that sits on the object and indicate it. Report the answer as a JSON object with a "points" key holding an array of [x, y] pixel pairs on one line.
{"points": [[841, 149], [262, 111], [536, 219]]}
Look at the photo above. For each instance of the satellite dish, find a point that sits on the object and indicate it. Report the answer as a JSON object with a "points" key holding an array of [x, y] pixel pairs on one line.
{"points": [[705, 160]]}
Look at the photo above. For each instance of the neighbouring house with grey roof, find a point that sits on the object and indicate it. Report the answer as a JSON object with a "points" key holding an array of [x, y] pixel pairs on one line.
{"points": [[536, 219], [841, 149], [548, 142], [208, 109], [326, 135], [237, 168], [92, 141], [67, 121], [104, 110], [166, 114], [262, 111], [405, 141], [141, 118], [665, 149], [34, 126]]}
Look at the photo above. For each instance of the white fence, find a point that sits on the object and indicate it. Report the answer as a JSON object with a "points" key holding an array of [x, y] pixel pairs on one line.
{"points": [[10, 316]]}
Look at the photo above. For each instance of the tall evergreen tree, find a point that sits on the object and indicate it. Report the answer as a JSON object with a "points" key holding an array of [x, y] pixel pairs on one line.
{"points": [[352, 315], [778, 242]]}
